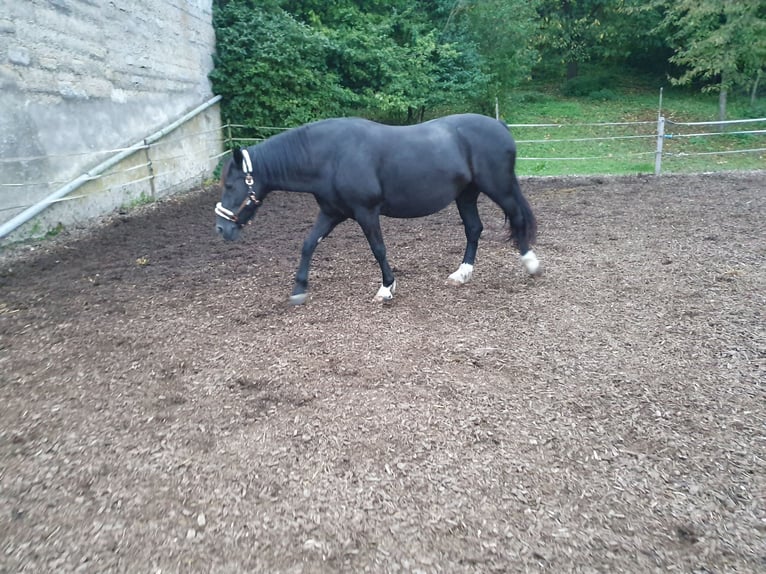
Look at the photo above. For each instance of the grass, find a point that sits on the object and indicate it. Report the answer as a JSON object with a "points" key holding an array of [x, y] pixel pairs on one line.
{"points": [[577, 149], [37, 232], [142, 199]]}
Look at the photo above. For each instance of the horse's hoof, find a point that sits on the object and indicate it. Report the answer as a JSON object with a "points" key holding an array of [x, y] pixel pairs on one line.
{"points": [[385, 293], [298, 299], [462, 276], [530, 261]]}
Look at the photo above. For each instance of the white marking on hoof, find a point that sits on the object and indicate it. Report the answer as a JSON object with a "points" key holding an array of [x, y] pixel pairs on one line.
{"points": [[385, 293], [530, 261], [298, 299], [462, 276]]}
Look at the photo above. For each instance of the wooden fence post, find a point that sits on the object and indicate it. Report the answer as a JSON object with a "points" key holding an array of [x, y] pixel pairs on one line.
{"points": [[150, 169], [660, 141]]}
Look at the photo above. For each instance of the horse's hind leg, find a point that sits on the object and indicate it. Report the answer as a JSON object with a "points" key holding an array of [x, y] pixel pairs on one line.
{"points": [[469, 213], [323, 225], [522, 221], [518, 220], [523, 229]]}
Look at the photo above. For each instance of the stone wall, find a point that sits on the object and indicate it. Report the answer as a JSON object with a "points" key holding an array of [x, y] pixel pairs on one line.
{"points": [[82, 78]]}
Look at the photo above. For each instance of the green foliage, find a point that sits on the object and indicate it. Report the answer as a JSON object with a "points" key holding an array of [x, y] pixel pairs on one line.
{"points": [[288, 62], [390, 79], [37, 231], [292, 62], [603, 95], [503, 33], [586, 85], [531, 97], [54, 231], [142, 199], [756, 109], [576, 31], [605, 32], [272, 69], [721, 43]]}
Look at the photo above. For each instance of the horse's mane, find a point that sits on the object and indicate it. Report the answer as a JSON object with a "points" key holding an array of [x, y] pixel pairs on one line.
{"points": [[277, 158]]}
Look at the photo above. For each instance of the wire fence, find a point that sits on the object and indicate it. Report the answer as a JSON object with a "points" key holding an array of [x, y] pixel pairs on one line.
{"points": [[611, 147], [648, 146], [95, 156], [640, 146], [689, 140]]}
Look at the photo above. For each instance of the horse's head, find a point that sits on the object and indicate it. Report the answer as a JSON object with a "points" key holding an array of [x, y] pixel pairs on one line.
{"points": [[240, 199]]}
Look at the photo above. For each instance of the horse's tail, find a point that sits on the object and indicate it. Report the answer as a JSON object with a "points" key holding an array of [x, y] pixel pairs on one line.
{"points": [[523, 223]]}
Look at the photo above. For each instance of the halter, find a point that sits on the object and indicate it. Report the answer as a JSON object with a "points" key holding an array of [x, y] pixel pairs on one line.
{"points": [[250, 203]]}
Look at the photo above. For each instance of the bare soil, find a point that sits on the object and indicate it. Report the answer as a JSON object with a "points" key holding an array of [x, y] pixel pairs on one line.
{"points": [[163, 408]]}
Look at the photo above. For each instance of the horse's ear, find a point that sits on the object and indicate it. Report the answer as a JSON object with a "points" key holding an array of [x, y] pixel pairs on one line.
{"points": [[236, 155]]}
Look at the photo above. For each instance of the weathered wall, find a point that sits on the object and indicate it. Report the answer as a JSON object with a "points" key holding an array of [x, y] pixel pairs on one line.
{"points": [[85, 76]]}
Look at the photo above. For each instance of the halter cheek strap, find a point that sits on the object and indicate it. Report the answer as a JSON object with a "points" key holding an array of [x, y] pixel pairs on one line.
{"points": [[247, 167], [247, 164]]}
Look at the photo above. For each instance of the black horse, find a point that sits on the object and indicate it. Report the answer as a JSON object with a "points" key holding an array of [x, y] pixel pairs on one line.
{"points": [[358, 169]]}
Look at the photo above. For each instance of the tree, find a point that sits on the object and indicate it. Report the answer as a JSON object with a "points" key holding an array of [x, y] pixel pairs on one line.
{"points": [[272, 69], [396, 56], [721, 43], [286, 62], [575, 31], [503, 32]]}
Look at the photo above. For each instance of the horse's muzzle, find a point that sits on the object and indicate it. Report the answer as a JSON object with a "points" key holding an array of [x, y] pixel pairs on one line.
{"points": [[227, 229]]}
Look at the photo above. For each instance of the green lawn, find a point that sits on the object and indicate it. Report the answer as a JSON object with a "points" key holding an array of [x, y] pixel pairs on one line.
{"points": [[579, 146]]}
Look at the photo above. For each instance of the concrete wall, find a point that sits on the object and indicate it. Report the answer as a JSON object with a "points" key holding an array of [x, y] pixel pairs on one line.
{"points": [[79, 78]]}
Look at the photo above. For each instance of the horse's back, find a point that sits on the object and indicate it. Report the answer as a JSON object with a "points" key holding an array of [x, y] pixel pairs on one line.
{"points": [[414, 170], [352, 136], [481, 132]]}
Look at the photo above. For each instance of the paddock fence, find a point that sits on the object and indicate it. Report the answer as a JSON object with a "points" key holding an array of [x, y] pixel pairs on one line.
{"points": [[634, 147], [614, 147], [661, 146]]}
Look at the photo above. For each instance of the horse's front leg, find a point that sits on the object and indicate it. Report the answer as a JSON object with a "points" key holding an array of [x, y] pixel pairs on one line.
{"points": [[323, 225], [370, 224]]}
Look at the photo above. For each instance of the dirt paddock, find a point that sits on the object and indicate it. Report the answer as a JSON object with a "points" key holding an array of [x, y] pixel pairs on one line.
{"points": [[165, 410]]}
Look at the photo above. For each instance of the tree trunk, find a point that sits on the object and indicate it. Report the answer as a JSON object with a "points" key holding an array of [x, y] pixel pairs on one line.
{"points": [[754, 91], [722, 95], [722, 104], [572, 70]]}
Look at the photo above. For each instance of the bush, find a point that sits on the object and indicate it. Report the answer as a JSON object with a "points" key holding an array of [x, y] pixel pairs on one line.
{"points": [[756, 109], [275, 69], [584, 86], [532, 97], [604, 94], [272, 69]]}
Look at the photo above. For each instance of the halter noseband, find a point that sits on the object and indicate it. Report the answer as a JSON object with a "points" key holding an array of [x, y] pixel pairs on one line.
{"points": [[250, 203]]}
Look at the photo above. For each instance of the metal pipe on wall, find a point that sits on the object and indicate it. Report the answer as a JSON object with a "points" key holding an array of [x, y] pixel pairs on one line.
{"points": [[23, 217]]}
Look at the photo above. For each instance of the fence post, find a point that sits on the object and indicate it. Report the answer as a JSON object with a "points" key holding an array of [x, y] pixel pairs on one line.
{"points": [[228, 131], [660, 140], [150, 169]]}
